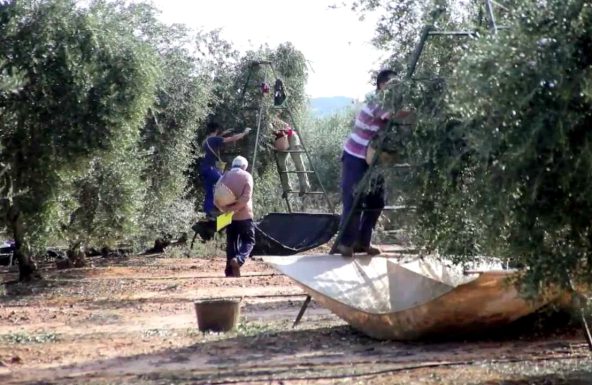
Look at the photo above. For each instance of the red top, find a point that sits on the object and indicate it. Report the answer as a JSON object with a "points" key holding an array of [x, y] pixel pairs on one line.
{"points": [[285, 131]]}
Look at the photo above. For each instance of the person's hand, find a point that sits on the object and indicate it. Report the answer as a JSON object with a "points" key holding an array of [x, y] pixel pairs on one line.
{"points": [[386, 116], [404, 113], [247, 130]]}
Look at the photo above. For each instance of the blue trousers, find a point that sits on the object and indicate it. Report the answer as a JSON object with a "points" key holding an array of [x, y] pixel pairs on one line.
{"points": [[210, 176], [240, 240], [361, 225]]}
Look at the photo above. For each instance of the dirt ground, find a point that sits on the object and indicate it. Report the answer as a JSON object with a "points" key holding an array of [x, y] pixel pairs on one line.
{"points": [[132, 321]]}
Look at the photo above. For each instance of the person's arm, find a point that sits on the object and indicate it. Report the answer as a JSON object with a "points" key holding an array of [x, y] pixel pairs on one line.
{"points": [[387, 114], [404, 113], [245, 197], [236, 137], [382, 113]]}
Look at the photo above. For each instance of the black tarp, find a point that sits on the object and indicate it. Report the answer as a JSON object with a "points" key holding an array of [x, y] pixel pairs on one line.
{"points": [[284, 233], [292, 233]]}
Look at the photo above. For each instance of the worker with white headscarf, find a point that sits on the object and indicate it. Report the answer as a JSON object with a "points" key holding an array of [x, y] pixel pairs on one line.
{"points": [[240, 234]]}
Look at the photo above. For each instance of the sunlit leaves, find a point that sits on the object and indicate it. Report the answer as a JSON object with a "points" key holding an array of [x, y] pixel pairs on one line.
{"points": [[88, 84]]}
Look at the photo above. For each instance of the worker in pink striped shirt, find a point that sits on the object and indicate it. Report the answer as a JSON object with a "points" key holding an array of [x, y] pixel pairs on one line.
{"points": [[369, 121]]}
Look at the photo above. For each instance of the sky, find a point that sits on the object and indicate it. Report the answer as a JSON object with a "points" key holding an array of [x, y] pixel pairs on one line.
{"points": [[334, 41]]}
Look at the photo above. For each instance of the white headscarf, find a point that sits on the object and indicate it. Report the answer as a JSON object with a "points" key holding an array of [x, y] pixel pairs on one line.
{"points": [[241, 162]]}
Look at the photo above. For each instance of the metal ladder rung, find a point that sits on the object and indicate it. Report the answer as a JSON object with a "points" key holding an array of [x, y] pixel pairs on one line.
{"points": [[296, 172], [386, 208], [291, 151], [305, 193], [452, 33], [260, 62], [395, 208]]}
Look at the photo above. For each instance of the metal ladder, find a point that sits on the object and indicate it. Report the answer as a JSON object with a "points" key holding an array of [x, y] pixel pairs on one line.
{"points": [[261, 109]]}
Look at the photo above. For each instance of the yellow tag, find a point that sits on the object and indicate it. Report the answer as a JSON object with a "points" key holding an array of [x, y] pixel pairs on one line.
{"points": [[223, 220], [221, 166]]}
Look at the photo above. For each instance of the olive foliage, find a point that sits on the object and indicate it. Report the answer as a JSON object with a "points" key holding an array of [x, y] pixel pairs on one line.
{"points": [[500, 155]]}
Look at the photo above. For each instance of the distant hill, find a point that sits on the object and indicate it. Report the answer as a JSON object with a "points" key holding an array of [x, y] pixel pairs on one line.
{"points": [[328, 105]]}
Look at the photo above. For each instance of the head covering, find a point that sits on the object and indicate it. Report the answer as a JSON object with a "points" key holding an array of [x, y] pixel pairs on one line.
{"points": [[241, 162]]}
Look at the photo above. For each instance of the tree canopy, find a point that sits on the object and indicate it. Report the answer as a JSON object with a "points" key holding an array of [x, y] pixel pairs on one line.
{"points": [[500, 154], [87, 86], [101, 110]]}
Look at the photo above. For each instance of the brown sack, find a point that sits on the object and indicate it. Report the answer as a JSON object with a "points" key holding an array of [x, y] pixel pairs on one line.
{"points": [[282, 143], [223, 196]]}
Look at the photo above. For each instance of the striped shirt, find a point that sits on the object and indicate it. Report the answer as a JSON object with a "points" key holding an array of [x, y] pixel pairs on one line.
{"points": [[369, 121]]}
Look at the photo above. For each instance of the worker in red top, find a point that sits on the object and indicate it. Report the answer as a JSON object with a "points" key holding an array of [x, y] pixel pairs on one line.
{"points": [[287, 140]]}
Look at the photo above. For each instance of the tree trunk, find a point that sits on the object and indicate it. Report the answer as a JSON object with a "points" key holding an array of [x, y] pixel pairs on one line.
{"points": [[27, 268], [75, 255]]}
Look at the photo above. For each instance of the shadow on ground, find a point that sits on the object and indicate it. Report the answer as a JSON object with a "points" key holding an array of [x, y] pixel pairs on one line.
{"points": [[580, 377], [258, 355], [13, 291]]}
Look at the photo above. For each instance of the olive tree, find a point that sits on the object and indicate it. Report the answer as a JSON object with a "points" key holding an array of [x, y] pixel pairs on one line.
{"points": [[500, 154], [88, 85], [138, 194], [525, 103], [167, 137]]}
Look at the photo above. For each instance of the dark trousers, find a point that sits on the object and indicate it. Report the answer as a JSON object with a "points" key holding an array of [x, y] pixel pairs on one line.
{"points": [[240, 240], [361, 224]]}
